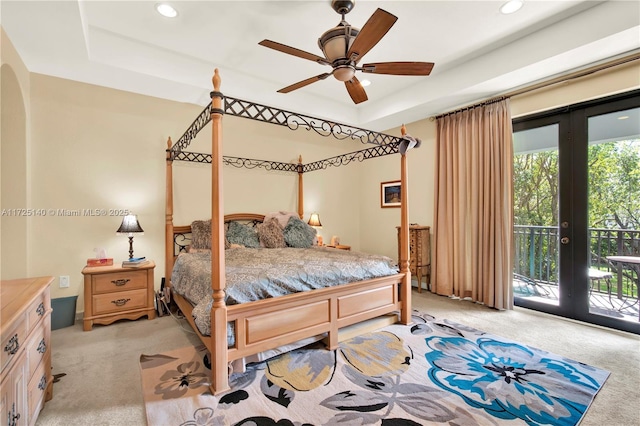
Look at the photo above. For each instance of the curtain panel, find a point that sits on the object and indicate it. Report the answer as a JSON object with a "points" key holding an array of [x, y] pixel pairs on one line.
{"points": [[473, 218]]}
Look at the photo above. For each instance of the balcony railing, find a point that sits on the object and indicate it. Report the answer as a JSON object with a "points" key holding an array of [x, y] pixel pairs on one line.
{"points": [[536, 253]]}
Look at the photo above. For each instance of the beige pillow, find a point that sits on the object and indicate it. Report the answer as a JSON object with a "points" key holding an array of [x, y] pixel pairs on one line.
{"points": [[271, 234]]}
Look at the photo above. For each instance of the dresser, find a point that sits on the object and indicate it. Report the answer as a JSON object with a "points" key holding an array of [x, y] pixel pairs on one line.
{"points": [[112, 293], [419, 253], [26, 349]]}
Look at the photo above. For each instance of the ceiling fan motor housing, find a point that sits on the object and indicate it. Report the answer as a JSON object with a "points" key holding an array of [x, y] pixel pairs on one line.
{"points": [[342, 6]]}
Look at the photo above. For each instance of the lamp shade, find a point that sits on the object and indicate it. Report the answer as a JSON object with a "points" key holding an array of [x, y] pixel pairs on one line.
{"points": [[314, 220], [130, 225]]}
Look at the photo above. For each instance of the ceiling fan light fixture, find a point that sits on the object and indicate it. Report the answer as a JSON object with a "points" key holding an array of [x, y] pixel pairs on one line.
{"points": [[344, 72]]}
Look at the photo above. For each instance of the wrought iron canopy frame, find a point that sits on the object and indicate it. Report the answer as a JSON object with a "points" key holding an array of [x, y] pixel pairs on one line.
{"points": [[385, 144]]}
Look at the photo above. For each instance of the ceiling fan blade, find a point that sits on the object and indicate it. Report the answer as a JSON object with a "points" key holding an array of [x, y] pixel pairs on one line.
{"points": [[399, 68], [373, 30], [293, 51], [356, 91], [303, 83]]}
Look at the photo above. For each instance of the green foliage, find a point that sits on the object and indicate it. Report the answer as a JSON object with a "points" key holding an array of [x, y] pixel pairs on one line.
{"points": [[614, 186]]}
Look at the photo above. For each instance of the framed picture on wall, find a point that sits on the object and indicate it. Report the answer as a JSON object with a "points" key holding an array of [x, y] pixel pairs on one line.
{"points": [[390, 194]]}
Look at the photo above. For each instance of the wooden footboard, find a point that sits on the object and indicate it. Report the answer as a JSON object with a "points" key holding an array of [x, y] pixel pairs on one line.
{"points": [[271, 323], [268, 324]]}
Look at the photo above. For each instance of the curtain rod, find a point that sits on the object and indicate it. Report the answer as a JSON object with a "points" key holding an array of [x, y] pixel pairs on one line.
{"points": [[571, 76]]}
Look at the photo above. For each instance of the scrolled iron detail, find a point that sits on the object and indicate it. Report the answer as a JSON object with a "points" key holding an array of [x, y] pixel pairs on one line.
{"points": [[40, 309]]}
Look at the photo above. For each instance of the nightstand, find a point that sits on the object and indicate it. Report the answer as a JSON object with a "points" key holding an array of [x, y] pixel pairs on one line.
{"points": [[340, 247], [113, 292]]}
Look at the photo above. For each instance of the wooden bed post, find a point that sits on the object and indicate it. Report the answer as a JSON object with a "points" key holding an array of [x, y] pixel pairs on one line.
{"points": [[168, 234], [300, 189], [405, 313], [219, 355]]}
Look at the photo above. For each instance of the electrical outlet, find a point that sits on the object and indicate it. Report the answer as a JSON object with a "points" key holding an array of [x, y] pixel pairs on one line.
{"points": [[64, 281]]}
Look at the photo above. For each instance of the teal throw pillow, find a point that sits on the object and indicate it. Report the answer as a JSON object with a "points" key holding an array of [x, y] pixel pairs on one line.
{"points": [[298, 234], [243, 235]]}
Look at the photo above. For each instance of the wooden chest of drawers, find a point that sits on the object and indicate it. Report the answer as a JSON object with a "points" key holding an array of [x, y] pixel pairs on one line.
{"points": [[112, 293], [25, 346], [419, 253]]}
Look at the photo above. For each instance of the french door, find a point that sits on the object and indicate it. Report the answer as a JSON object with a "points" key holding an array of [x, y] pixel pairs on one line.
{"points": [[569, 211]]}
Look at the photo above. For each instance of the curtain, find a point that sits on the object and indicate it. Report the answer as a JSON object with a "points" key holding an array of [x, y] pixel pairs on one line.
{"points": [[473, 218]]}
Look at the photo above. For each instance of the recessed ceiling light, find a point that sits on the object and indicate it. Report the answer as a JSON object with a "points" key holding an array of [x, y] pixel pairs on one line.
{"points": [[623, 117], [511, 6], [365, 83], [166, 10]]}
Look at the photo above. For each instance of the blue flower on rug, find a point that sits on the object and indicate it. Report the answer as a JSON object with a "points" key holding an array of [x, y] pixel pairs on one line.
{"points": [[511, 381]]}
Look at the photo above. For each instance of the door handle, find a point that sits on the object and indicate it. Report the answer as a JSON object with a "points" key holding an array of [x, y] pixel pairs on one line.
{"points": [[565, 240]]}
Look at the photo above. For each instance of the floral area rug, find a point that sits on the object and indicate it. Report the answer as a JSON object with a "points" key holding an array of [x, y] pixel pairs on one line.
{"points": [[431, 372]]}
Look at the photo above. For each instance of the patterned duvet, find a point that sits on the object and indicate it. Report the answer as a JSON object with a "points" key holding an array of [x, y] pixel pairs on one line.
{"points": [[255, 274]]}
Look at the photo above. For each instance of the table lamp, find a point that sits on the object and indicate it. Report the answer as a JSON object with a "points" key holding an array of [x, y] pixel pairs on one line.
{"points": [[130, 226], [314, 221]]}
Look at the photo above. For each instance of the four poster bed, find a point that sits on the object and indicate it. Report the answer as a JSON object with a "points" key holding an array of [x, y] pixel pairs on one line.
{"points": [[249, 327]]}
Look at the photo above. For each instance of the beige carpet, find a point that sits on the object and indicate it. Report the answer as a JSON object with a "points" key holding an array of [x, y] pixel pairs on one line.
{"points": [[103, 386], [431, 372]]}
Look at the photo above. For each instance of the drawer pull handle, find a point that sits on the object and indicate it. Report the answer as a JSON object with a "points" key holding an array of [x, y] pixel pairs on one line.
{"points": [[42, 347], [13, 345], [121, 281], [43, 383], [12, 416], [40, 309], [120, 302]]}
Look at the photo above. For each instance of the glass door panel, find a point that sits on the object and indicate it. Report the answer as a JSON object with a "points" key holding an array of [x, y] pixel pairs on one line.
{"points": [[614, 213], [536, 209]]}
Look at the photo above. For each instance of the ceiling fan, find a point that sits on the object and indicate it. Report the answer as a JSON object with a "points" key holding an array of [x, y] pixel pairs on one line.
{"points": [[344, 46]]}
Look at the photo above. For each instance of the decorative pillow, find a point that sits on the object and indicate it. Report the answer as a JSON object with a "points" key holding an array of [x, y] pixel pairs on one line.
{"points": [[298, 234], [243, 235], [201, 234], [271, 234]]}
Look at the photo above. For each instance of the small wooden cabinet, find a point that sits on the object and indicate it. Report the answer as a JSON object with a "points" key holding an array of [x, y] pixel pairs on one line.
{"points": [[419, 253], [113, 292], [25, 356]]}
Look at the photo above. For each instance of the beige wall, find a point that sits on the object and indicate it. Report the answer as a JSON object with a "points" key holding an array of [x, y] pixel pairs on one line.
{"points": [[14, 146]]}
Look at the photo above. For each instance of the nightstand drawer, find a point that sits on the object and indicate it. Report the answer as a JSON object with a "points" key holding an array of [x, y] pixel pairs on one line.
{"points": [[119, 281], [117, 302]]}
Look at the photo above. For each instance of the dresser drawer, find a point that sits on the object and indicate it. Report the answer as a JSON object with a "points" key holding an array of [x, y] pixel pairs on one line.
{"points": [[117, 302], [38, 346], [119, 281], [39, 308], [13, 341], [35, 391]]}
